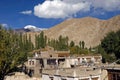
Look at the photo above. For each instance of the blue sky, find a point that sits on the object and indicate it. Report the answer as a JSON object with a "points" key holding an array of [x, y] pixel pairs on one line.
{"points": [[45, 14]]}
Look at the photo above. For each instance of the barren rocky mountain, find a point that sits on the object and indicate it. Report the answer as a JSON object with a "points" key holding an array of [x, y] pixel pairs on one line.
{"points": [[88, 29]]}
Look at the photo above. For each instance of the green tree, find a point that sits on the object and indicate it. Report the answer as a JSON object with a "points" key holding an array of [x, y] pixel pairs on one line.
{"points": [[80, 44], [72, 44], [30, 44], [109, 42], [36, 42], [59, 44], [63, 43], [10, 52], [83, 44], [42, 40], [45, 40], [111, 45]]}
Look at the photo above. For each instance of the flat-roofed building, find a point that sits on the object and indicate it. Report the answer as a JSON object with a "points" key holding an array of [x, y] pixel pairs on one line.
{"points": [[113, 72], [78, 73], [49, 59]]}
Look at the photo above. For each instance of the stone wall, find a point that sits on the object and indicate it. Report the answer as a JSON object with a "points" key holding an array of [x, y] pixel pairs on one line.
{"points": [[20, 76]]}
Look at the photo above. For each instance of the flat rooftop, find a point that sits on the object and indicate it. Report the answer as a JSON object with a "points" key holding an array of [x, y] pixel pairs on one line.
{"points": [[112, 67], [73, 72]]}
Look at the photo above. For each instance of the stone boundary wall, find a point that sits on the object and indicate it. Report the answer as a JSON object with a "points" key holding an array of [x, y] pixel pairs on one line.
{"points": [[20, 76]]}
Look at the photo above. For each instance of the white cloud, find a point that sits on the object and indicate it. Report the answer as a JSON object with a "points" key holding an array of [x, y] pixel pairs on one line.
{"points": [[68, 8], [107, 5], [60, 9], [28, 12]]}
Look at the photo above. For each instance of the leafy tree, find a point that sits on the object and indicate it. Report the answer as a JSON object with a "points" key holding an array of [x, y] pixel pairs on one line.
{"points": [[111, 44], [30, 44], [63, 43], [80, 44], [59, 44], [11, 51], [83, 44], [36, 42], [40, 41], [72, 44], [74, 49], [84, 51], [45, 40]]}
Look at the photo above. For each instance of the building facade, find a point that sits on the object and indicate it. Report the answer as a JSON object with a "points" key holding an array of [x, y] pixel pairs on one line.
{"points": [[72, 74], [113, 72], [50, 59]]}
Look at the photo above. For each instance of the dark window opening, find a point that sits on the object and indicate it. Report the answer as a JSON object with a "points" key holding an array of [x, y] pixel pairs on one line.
{"points": [[51, 78], [32, 62], [29, 62]]}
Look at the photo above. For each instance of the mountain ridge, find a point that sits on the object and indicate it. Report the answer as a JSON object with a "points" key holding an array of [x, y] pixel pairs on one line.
{"points": [[88, 29]]}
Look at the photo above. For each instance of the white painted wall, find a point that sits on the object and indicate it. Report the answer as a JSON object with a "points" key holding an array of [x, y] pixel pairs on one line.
{"points": [[72, 78], [57, 78], [45, 77], [67, 63]]}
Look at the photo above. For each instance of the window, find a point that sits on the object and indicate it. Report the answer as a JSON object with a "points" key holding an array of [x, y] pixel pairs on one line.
{"points": [[32, 62], [114, 76], [29, 62], [118, 76], [51, 78]]}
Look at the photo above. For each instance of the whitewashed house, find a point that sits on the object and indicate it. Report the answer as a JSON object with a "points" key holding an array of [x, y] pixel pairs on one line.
{"points": [[78, 73], [49, 59]]}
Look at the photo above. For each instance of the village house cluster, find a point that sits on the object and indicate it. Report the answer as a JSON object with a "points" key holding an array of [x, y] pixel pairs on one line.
{"points": [[59, 65]]}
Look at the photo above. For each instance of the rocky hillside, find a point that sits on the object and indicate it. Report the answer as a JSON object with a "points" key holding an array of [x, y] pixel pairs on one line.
{"points": [[88, 29]]}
